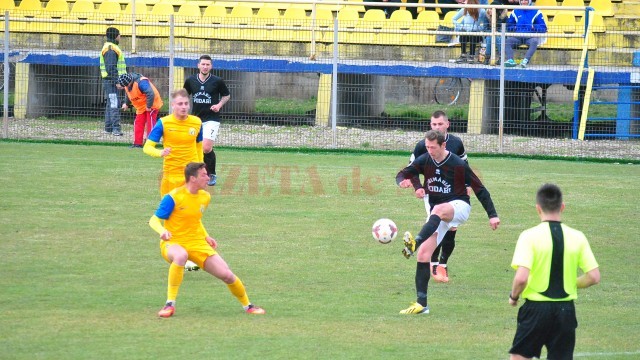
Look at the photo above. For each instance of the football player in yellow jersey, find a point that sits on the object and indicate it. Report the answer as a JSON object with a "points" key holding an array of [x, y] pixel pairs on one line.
{"points": [[184, 237], [182, 141]]}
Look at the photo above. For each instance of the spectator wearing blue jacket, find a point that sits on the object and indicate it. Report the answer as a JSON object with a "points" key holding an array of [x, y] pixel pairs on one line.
{"points": [[523, 20]]}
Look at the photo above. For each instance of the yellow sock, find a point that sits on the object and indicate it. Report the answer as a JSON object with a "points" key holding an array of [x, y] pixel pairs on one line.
{"points": [[176, 273], [238, 290]]}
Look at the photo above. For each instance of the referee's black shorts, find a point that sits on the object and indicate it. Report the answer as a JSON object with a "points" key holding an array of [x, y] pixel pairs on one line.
{"points": [[546, 323]]}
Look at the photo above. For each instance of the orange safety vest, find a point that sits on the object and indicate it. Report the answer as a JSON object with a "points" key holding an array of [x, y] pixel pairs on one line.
{"points": [[139, 99]]}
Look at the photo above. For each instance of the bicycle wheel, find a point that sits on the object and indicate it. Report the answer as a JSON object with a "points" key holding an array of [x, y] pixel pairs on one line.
{"points": [[447, 90]]}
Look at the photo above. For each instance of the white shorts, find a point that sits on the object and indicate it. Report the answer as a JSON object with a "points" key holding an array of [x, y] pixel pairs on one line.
{"points": [[461, 211], [210, 130]]}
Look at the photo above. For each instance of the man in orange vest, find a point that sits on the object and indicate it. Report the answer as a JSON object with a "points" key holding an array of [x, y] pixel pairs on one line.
{"points": [[146, 99]]}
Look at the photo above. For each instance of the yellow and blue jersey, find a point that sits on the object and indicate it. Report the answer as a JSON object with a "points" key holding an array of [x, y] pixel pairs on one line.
{"points": [[182, 214], [183, 137]]}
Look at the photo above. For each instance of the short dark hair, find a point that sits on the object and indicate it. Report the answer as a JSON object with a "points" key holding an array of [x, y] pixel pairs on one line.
{"points": [[192, 169], [435, 135], [204, 57], [549, 198], [438, 114]]}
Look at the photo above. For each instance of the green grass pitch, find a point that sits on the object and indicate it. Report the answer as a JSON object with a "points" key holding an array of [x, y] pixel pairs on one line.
{"points": [[83, 277]]}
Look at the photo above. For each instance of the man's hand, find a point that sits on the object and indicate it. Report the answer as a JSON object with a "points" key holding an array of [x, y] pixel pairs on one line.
{"points": [[406, 183], [165, 152], [420, 193], [212, 242], [494, 222], [124, 107], [166, 235], [216, 107]]}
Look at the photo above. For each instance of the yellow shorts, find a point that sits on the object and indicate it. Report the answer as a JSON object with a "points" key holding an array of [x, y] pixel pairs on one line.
{"points": [[169, 183], [198, 251]]}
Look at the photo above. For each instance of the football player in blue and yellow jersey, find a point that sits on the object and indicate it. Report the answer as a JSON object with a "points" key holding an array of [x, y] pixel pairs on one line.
{"points": [[182, 141], [183, 237]]}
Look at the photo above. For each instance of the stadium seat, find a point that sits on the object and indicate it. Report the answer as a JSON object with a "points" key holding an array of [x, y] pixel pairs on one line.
{"points": [[427, 20], [295, 17], [399, 20], [160, 15], [83, 10], [572, 3], [266, 19], [141, 10], [331, 7], [6, 5], [602, 7], [279, 6], [372, 21], [448, 19], [56, 10], [348, 18], [563, 23], [240, 16], [547, 3], [324, 23], [597, 23], [216, 12], [109, 10], [30, 5]]}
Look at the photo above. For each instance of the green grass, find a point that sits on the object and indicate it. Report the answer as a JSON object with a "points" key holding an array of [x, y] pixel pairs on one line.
{"points": [[83, 277]]}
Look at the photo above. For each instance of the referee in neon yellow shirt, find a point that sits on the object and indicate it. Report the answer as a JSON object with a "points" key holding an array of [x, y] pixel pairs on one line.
{"points": [[546, 259]]}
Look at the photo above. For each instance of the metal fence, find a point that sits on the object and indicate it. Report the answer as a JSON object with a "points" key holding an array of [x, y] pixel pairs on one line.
{"points": [[331, 75]]}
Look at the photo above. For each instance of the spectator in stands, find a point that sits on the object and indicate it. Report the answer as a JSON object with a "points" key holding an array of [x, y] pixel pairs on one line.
{"points": [[523, 20], [112, 64], [146, 99], [503, 14], [470, 20], [388, 10], [453, 2]]}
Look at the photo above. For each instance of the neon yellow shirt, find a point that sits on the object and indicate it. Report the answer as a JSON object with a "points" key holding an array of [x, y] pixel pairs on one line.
{"points": [[534, 251]]}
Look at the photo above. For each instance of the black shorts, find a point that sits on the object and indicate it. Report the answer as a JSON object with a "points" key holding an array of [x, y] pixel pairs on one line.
{"points": [[546, 323]]}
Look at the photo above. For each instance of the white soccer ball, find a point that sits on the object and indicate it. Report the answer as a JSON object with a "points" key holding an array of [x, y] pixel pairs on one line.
{"points": [[384, 230]]}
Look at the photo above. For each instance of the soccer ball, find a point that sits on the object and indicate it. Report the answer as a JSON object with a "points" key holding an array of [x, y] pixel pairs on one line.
{"points": [[384, 230]]}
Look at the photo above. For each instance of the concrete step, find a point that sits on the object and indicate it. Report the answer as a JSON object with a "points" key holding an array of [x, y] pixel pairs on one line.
{"points": [[627, 8], [619, 38], [620, 22]]}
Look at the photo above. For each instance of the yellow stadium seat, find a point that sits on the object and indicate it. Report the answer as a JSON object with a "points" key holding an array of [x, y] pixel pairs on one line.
{"points": [[348, 18], [279, 6], [399, 20], [109, 10], [57, 10], [159, 16], [141, 10], [324, 25], [6, 5], [602, 7], [84, 10], [448, 19], [331, 7], [572, 3], [266, 19], [563, 23], [215, 11], [30, 5], [267, 16], [547, 3], [573, 43], [427, 20], [241, 15], [372, 21], [295, 17], [188, 14], [597, 23]]}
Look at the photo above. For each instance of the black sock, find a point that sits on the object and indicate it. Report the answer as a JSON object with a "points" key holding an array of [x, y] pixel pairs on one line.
{"points": [[436, 253], [428, 229], [448, 244], [422, 282], [210, 161]]}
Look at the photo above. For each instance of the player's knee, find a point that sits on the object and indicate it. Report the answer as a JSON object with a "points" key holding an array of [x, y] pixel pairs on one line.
{"points": [[228, 277], [179, 257]]}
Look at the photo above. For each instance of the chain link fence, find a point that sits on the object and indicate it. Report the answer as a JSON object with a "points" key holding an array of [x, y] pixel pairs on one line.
{"points": [[331, 75]]}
